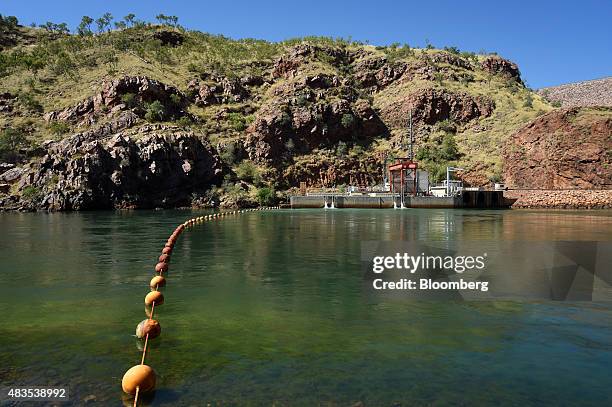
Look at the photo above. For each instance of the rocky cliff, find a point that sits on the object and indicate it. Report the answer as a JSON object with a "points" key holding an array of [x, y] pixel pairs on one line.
{"points": [[140, 170], [564, 149], [153, 116]]}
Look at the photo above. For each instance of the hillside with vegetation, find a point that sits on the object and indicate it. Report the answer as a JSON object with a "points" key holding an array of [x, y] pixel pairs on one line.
{"points": [[124, 113]]}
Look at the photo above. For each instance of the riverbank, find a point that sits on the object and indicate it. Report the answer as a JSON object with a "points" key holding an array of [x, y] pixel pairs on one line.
{"points": [[555, 199]]}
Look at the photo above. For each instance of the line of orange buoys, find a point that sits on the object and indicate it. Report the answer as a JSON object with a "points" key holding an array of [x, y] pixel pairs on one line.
{"points": [[141, 378]]}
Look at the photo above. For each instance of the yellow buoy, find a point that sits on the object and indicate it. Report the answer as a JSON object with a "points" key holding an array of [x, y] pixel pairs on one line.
{"points": [[141, 376], [154, 297], [148, 327], [157, 281]]}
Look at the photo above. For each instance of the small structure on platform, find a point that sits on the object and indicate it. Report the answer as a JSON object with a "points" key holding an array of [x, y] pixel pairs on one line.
{"points": [[404, 185]]}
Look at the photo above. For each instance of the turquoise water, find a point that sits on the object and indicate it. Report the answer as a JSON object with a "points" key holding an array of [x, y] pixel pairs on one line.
{"points": [[270, 309]]}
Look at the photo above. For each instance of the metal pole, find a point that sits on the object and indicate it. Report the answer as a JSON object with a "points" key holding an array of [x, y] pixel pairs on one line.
{"points": [[447, 181], [411, 153], [402, 186]]}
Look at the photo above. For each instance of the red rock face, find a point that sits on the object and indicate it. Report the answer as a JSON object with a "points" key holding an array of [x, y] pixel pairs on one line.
{"points": [[564, 149], [142, 87], [433, 105], [496, 65]]}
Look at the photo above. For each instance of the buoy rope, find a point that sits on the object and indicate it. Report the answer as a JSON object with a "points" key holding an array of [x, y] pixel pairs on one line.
{"points": [[163, 265]]}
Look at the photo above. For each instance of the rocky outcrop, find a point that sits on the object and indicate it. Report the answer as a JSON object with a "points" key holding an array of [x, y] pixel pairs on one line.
{"points": [[221, 90], [564, 149], [171, 38], [111, 100], [284, 128], [288, 64], [329, 170], [430, 106], [496, 65], [154, 170], [377, 72], [450, 59], [7, 103]]}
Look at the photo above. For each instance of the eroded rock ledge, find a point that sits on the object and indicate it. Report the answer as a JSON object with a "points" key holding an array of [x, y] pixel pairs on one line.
{"points": [[148, 171]]}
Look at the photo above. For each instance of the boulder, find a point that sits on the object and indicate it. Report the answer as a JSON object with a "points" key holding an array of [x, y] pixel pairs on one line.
{"points": [[11, 175]]}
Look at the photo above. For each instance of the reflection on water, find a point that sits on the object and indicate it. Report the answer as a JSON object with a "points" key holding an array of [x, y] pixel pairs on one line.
{"points": [[270, 308]]}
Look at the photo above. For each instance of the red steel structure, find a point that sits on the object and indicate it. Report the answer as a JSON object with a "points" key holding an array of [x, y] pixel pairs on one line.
{"points": [[398, 170]]}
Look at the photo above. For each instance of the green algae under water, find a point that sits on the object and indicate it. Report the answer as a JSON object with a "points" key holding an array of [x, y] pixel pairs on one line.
{"points": [[270, 309]]}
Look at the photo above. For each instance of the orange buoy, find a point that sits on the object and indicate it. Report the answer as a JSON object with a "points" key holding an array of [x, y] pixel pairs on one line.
{"points": [[161, 267], [157, 281], [154, 297], [167, 250], [139, 376], [148, 327], [164, 258]]}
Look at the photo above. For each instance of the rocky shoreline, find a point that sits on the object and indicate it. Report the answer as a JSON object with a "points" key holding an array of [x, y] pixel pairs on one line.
{"points": [[557, 199], [83, 172]]}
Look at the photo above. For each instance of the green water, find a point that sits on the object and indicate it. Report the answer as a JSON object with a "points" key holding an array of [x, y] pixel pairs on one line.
{"points": [[270, 309]]}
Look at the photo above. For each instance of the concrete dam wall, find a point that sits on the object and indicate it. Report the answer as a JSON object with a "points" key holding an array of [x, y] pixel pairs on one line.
{"points": [[466, 199]]}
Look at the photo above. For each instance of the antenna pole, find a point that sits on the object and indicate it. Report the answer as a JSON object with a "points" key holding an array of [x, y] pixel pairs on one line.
{"points": [[410, 151]]}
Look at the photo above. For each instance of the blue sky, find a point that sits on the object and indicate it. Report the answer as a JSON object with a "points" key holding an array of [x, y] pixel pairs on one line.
{"points": [[552, 41]]}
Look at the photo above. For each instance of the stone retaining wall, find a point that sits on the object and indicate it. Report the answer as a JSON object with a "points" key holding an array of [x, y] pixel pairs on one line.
{"points": [[591, 199]]}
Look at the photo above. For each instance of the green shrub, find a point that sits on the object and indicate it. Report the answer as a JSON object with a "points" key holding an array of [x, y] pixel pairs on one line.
{"points": [[64, 65], [285, 120], [237, 121], [452, 50], [341, 149], [441, 151], [495, 178], [129, 100], [11, 141], [447, 126], [347, 120], [176, 100], [185, 121], [248, 171], [528, 102], [156, 111], [59, 128], [229, 154], [32, 193], [266, 196], [30, 103]]}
